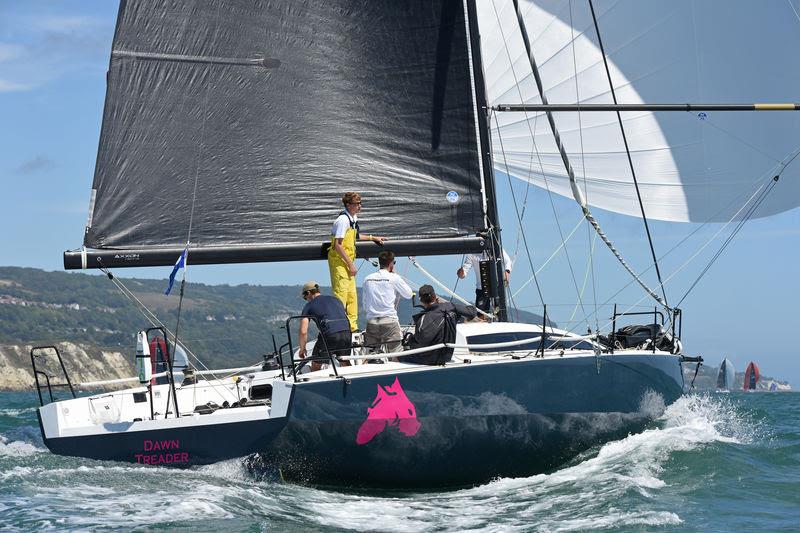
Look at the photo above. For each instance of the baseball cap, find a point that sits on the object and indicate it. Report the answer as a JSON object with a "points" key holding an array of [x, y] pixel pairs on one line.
{"points": [[309, 286]]}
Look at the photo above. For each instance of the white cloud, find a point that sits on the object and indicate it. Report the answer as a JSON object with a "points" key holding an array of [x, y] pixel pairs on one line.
{"points": [[10, 86], [36, 51], [10, 51], [68, 24]]}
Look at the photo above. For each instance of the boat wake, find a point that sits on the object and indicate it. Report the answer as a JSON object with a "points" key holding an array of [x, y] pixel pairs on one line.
{"points": [[18, 443], [620, 484]]}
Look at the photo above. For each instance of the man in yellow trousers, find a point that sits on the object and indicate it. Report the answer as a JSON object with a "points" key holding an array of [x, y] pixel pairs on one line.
{"points": [[342, 254]]}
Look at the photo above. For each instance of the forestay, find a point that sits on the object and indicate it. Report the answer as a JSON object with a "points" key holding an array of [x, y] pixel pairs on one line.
{"points": [[247, 120], [690, 166]]}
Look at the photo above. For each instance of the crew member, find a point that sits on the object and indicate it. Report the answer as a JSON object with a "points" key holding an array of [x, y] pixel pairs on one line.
{"points": [[342, 254], [472, 262], [334, 327], [382, 292], [435, 325]]}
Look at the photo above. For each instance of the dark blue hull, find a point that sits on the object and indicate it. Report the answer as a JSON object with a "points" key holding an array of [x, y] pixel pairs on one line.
{"points": [[475, 422], [453, 425]]}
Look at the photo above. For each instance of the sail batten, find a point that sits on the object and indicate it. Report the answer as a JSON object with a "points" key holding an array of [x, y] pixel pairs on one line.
{"points": [[275, 109]]}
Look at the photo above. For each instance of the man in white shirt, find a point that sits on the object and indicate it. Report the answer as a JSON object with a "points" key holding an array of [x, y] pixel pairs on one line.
{"points": [[472, 262], [382, 292]]}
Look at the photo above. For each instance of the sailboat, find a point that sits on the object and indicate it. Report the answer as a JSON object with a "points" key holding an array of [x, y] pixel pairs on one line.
{"points": [[726, 376], [751, 377], [230, 129]]}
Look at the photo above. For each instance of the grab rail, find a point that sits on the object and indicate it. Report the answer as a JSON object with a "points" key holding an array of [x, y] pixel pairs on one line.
{"points": [[37, 373], [329, 357]]}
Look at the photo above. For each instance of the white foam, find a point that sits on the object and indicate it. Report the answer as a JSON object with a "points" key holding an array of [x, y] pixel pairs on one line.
{"points": [[17, 472], [16, 412], [17, 448]]}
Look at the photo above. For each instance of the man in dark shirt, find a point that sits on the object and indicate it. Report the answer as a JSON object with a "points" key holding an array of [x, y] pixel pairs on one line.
{"points": [[332, 321], [435, 325]]}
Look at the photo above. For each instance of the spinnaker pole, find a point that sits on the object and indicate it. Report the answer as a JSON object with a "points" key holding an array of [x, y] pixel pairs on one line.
{"points": [[547, 107]]}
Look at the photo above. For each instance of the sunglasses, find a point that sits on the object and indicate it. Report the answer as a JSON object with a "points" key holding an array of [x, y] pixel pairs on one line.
{"points": [[306, 293]]}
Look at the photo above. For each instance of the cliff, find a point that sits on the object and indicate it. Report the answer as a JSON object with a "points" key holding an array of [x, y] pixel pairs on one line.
{"points": [[84, 363]]}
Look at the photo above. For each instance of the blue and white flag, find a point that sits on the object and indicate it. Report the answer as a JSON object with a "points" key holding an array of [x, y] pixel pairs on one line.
{"points": [[181, 263]]}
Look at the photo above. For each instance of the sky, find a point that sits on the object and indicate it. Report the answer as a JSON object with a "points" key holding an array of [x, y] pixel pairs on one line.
{"points": [[53, 61]]}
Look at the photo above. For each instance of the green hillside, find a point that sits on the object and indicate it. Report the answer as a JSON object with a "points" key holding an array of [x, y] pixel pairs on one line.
{"points": [[223, 325]]}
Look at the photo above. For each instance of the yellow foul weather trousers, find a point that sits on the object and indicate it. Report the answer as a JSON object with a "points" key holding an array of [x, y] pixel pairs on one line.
{"points": [[343, 284]]}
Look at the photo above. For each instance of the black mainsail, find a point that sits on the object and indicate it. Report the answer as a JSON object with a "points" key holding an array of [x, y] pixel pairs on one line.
{"points": [[236, 125]]}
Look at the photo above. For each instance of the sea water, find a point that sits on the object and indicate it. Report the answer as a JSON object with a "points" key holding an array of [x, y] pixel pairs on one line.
{"points": [[710, 462]]}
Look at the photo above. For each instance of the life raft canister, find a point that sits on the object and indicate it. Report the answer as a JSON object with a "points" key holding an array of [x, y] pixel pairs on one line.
{"points": [[158, 356]]}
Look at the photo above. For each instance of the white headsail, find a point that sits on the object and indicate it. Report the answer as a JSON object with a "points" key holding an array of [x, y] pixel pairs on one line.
{"points": [[690, 166]]}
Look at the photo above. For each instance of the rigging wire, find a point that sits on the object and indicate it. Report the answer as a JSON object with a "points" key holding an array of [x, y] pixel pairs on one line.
{"points": [[730, 237], [552, 255], [744, 207], [628, 152], [589, 241], [455, 285], [793, 9], [576, 192], [516, 211], [585, 281], [155, 322]]}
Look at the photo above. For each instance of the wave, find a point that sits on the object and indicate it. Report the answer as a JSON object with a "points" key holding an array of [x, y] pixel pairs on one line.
{"points": [[14, 413], [618, 484], [17, 448]]}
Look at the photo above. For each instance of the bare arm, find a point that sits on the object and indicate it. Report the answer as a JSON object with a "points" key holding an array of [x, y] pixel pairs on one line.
{"points": [[374, 238]]}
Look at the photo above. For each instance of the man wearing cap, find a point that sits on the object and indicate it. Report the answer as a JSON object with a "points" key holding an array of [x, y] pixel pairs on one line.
{"points": [[334, 326], [342, 254], [435, 325], [472, 262], [382, 292]]}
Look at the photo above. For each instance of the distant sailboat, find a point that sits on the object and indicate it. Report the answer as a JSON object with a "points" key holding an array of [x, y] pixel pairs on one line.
{"points": [[751, 376], [726, 376]]}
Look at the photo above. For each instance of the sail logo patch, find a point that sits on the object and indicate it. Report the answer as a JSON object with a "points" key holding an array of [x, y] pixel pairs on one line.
{"points": [[452, 197], [391, 408]]}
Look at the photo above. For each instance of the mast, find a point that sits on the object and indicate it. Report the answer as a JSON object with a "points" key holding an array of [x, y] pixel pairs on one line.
{"points": [[494, 246]]}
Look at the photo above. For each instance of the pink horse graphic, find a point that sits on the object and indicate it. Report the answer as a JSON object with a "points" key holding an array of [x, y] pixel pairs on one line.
{"points": [[391, 408]]}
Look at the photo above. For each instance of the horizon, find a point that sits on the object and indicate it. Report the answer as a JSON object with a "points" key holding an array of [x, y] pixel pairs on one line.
{"points": [[54, 57]]}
